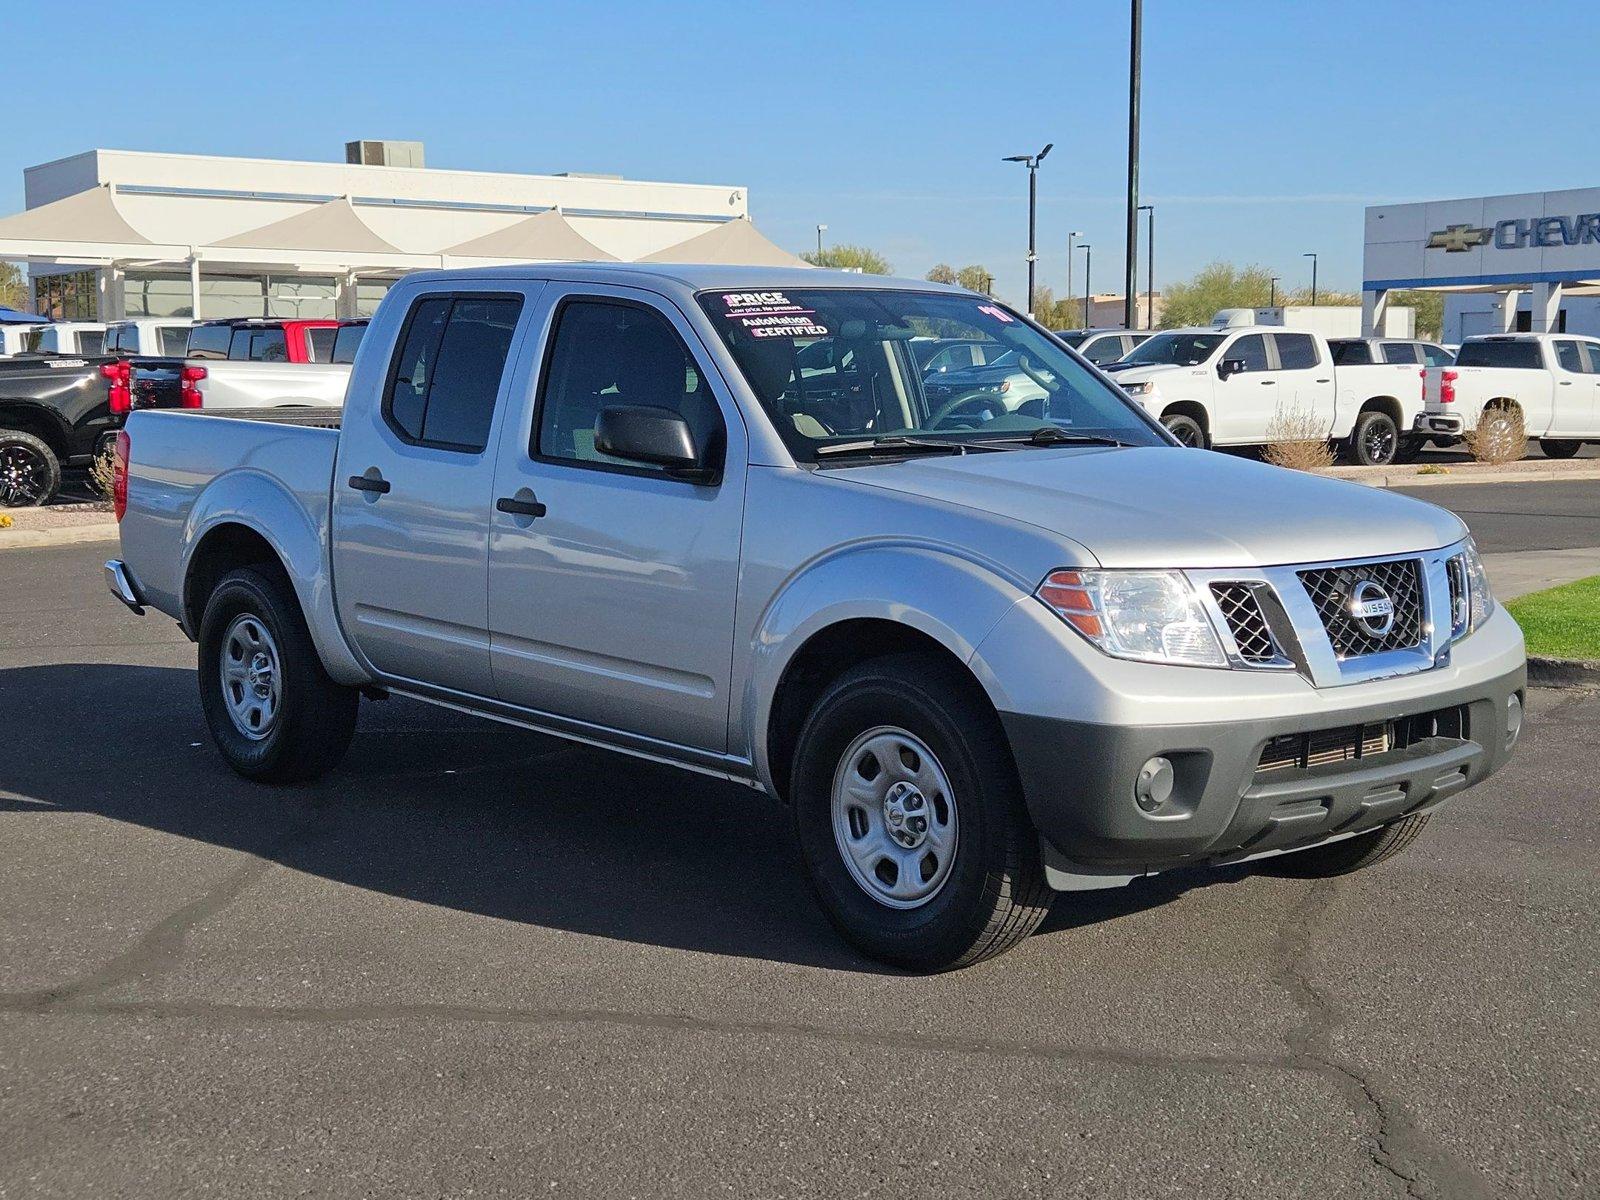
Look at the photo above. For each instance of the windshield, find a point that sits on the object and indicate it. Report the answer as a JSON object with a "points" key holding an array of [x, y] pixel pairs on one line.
{"points": [[838, 366], [1174, 349]]}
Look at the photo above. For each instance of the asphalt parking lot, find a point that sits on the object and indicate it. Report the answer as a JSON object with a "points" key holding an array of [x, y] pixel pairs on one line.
{"points": [[477, 961]]}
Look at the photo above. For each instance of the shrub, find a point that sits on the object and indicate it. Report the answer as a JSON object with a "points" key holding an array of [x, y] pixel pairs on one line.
{"points": [[1500, 436], [1297, 439], [101, 473]]}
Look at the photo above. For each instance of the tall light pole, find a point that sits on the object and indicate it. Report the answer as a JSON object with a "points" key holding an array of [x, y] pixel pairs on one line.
{"points": [[1272, 292], [821, 229], [1130, 274], [1312, 256], [1032, 161], [1071, 237], [1150, 265], [1088, 262]]}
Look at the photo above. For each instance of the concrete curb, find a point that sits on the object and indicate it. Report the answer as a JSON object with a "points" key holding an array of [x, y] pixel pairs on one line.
{"points": [[21, 539], [1407, 476], [1563, 672]]}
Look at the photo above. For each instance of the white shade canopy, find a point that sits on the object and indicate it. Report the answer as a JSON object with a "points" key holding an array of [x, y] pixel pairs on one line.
{"points": [[734, 243], [544, 237], [85, 226]]}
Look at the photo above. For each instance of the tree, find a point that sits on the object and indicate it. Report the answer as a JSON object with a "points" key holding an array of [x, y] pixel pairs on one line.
{"points": [[977, 278], [1220, 285], [1430, 311], [13, 287], [850, 258], [942, 273]]}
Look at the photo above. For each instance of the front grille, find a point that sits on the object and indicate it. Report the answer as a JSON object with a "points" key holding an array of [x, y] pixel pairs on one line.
{"points": [[1241, 609], [1334, 589], [1324, 746]]}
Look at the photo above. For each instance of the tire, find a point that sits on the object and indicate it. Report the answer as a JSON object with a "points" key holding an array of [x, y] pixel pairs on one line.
{"points": [[1558, 449], [1186, 429], [1353, 854], [303, 720], [1375, 441], [978, 862], [30, 473]]}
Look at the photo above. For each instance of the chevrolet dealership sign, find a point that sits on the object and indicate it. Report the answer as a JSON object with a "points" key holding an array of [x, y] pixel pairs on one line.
{"points": [[1493, 240]]}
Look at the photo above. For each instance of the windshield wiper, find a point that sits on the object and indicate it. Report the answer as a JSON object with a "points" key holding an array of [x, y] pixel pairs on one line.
{"points": [[900, 444], [1049, 435]]}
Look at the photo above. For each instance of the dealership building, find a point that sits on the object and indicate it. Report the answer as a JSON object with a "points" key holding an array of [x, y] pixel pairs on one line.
{"points": [[1524, 262], [116, 233]]}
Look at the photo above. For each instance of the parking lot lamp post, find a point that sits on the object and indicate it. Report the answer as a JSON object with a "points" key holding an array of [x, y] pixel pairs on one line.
{"points": [[820, 230], [1071, 237], [1272, 292], [1150, 264], [1088, 289], [1130, 273], [1032, 162], [1312, 256]]}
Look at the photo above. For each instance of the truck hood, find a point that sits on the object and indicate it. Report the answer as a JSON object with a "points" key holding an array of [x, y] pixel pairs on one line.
{"points": [[1127, 375], [1170, 507]]}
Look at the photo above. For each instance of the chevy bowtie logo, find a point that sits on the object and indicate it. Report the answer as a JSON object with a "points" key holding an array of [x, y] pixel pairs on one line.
{"points": [[1457, 239]]}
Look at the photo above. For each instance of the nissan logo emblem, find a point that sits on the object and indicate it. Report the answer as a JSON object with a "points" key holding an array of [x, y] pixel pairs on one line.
{"points": [[1371, 608]]}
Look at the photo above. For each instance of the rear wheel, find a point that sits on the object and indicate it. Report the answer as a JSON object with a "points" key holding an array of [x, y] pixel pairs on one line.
{"points": [[30, 473], [910, 818], [1376, 440], [1410, 449], [273, 711], [1558, 449], [1186, 429], [1353, 854]]}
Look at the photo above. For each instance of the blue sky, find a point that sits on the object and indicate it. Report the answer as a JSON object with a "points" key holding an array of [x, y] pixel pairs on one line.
{"points": [[1267, 125]]}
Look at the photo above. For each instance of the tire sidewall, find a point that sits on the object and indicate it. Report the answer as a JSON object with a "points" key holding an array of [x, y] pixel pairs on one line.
{"points": [[1188, 423], [947, 923], [1359, 439], [240, 592]]}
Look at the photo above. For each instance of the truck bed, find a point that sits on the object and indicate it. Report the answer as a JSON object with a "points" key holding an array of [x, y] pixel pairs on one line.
{"points": [[190, 469]]}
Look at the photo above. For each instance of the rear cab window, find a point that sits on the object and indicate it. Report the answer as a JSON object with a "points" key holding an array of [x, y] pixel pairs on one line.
{"points": [[174, 340], [319, 343], [209, 341], [346, 343], [1400, 352], [1516, 356]]}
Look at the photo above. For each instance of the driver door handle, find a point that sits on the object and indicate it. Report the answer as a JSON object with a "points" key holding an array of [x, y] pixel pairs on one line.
{"points": [[519, 507], [368, 483]]}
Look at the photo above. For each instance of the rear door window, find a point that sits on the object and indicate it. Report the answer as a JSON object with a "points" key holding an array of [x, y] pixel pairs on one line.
{"points": [[319, 343], [1104, 350], [445, 380], [1400, 352], [344, 346], [1436, 356], [1569, 356], [1350, 353], [1296, 351]]}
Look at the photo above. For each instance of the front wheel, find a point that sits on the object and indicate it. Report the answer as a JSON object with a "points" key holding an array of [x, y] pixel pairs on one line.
{"points": [[910, 818], [1376, 440], [1186, 429], [30, 473], [273, 711], [1558, 449], [1352, 854]]}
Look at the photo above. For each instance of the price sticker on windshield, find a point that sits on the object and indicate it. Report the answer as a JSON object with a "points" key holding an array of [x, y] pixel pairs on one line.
{"points": [[999, 314], [772, 315]]}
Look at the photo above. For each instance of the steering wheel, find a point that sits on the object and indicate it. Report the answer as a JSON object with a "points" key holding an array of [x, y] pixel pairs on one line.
{"points": [[948, 410]]}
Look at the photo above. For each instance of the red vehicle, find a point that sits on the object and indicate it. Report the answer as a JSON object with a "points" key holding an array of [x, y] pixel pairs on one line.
{"points": [[256, 339]]}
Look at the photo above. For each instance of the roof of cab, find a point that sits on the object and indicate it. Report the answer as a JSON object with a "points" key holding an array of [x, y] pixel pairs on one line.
{"points": [[691, 276]]}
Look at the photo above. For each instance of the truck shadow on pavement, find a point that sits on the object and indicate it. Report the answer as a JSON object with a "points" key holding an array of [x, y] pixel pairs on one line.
{"points": [[446, 809]]}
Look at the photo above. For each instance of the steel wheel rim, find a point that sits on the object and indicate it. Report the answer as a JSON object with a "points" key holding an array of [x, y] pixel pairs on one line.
{"points": [[894, 817], [24, 476], [252, 685], [1380, 440]]}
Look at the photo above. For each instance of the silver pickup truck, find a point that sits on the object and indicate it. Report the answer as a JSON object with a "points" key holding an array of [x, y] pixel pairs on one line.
{"points": [[708, 516]]}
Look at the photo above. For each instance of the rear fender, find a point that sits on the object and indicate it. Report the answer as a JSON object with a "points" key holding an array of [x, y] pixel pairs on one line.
{"points": [[264, 505]]}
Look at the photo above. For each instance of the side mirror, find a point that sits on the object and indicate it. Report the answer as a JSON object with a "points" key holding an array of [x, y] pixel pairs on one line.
{"points": [[1229, 366], [647, 434]]}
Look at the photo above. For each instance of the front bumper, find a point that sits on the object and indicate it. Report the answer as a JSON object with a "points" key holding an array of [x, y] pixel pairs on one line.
{"points": [[1442, 424]]}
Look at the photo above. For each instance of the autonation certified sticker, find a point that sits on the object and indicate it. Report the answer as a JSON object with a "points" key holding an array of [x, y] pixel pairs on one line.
{"points": [[772, 315]]}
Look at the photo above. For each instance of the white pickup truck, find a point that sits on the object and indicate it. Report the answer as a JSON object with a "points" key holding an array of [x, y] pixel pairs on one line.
{"points": [[252, 364], [1550, 380], [1226, 387], [710, 516]]}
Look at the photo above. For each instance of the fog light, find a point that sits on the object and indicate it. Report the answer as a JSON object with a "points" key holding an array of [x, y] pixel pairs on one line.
{"points": [[1513, 719], [1154, 785]]}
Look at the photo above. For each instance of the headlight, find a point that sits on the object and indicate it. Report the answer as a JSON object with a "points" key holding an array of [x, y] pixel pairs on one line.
{"points": [[1480, 600], [1150, 616], [1140, 389]]}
